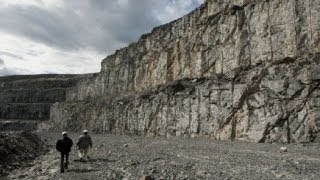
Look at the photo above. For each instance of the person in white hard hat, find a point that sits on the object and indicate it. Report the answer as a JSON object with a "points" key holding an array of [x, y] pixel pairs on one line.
{"points": [[64, 145], [83, 144]]}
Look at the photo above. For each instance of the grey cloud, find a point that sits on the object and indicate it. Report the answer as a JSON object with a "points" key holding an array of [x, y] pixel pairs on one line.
{"points": [[4, 71], [98, 24], [38, 25], [10, 55]]}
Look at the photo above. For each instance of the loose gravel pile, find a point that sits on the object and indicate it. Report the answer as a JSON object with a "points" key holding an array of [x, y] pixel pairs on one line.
{"points": [[17, 149], [132, 157]]}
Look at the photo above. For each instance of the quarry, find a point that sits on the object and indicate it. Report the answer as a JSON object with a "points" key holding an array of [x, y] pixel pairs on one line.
{"points": [[214, 94]]}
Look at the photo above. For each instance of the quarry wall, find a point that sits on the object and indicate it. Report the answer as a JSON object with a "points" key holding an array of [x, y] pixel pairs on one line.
{"points": [[26, 100], [242, 70]]}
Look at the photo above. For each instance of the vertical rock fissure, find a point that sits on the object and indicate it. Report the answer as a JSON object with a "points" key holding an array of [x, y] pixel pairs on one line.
{"points": [[269, 30], [222, 62], [310, 22], [233, 120], [198, 117], [250, 37], [295, 23], [190, 118]]}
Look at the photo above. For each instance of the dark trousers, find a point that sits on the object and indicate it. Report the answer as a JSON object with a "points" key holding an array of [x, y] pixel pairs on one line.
{"points": [[62, 164]]}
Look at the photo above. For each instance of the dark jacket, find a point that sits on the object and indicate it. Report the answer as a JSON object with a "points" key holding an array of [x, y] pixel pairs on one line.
{"points": [[84, 141], [64, 145]]}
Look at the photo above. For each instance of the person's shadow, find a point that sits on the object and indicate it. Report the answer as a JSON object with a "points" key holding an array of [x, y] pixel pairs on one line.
{"points": [[82, 170], [96, 160]]}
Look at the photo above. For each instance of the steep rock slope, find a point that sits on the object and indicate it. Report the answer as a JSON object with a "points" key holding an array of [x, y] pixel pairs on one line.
{"points": [[235, 69]]}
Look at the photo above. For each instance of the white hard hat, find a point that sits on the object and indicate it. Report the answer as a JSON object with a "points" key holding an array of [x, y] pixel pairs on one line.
{"points": [[85, 131], [64, 132]]}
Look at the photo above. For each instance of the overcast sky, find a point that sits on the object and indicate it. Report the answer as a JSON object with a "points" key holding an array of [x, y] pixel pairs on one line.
{"points": [[73, 36]]}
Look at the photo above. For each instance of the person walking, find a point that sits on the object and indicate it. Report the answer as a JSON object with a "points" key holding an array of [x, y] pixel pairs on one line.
{"points": [[83, 144], [64, 145]]}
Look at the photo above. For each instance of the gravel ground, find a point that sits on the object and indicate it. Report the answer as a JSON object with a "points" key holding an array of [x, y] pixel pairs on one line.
{"points": [[132, 157]]}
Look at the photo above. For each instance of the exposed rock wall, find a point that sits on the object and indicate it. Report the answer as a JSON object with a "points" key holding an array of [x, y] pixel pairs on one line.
{"points": [[24, 100], [245, 70], [33, 95]]}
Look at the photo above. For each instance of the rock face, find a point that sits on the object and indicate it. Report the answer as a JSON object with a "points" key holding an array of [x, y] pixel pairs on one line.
{"points": [[26, 100], [231, 69]]}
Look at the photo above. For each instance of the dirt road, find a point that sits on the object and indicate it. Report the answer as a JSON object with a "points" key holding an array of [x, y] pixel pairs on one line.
{"points": [[127, 157]]}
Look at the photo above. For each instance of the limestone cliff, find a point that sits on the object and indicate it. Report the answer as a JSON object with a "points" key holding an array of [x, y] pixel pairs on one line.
{"points": [[231, 69]]}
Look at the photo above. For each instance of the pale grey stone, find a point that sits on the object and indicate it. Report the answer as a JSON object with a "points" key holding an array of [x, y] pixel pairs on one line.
{"points": [[237, 69]]}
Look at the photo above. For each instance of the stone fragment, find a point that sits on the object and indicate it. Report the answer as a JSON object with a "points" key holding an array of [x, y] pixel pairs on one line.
{"points": [[201, 174], [283, 149], [146, 178]]}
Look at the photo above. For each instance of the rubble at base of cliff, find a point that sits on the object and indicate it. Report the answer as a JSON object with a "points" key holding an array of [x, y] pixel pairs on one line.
{"points": [[18, 149]]}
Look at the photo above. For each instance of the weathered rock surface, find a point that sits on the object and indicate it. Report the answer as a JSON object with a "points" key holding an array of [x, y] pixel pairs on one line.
{"points": [[243, 70], [18, 125], [24, 100]]}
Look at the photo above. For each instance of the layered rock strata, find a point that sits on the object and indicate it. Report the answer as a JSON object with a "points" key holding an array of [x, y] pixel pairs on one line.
{"points": [[235, 69], [26, 100]]}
